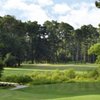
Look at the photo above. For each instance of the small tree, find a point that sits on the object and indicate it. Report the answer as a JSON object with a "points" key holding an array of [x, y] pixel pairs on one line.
{"points": [[95, 49]]}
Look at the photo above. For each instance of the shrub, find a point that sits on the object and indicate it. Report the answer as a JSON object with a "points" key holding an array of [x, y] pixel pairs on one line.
{"points": [[22, 79], [70, 74], [93, 74], [51, 77], [41, 78], [56, 76]]}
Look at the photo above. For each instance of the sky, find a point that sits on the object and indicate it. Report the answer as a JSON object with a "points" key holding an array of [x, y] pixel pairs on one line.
{"points": [[73, 12]]}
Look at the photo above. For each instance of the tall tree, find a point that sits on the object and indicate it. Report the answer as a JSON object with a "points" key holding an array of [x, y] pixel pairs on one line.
{"points": [[53, 39], [65, 35], [52, 42], [32, 29], [11, 37]]}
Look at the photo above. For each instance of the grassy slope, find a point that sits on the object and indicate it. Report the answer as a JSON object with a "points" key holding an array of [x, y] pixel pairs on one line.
{"points": [[65, 91]]}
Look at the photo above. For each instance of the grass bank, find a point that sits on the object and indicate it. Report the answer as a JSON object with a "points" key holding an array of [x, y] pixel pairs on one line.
{"points": [[65, 91]]}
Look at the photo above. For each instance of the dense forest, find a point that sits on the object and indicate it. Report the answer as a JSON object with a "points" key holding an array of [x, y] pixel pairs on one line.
{"points": [[52, 42]]}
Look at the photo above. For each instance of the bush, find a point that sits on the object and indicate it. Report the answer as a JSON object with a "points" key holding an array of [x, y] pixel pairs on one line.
{"points": [[93, 74], [52, 77], [23, 79], [56, 76], [41, 78], [70, 74]]}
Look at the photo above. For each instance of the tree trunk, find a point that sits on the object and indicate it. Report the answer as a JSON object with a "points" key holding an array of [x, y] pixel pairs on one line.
{"points": [[18, 63], [32, 58]]}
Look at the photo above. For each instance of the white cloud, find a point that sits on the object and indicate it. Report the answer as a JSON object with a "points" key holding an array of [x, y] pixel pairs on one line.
{"points": [[33, 12], [14, 4], [76, 14], [45, 2], [82, 14], [1, 8], [61, 8]]}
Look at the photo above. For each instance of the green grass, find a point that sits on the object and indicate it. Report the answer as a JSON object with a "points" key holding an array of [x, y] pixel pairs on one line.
{"points": [[65, 91], [17, 71], [29, 68], [78, 67]]}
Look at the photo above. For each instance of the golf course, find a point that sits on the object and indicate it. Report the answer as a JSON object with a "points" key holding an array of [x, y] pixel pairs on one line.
{"points": [[49, 49], [57, 91]]}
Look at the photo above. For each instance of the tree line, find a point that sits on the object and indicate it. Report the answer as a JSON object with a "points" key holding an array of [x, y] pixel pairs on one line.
{"points": [[52, 42]]}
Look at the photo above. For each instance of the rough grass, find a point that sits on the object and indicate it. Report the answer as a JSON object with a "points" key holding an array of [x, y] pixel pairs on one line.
{"points": [[65, 91]]}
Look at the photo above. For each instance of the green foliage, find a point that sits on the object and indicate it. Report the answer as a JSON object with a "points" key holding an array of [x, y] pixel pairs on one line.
{"points": [[21, 79], [94, 49], [70, 73], [52, 42], [93, 74], [51, 77], [10, 60], [34, 78], [98, 59], [1, 67]]}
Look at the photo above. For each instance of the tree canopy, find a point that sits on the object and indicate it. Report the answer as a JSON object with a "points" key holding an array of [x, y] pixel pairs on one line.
{"points": [[52, 42], [95, 49]]}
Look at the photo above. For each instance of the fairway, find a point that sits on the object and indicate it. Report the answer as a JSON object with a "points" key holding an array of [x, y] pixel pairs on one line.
{"points": [[78, 67], [65, 91], [29, 68]]}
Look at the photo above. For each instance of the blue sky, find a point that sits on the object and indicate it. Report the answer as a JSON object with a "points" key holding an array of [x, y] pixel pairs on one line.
{"points": [[74, 12]]}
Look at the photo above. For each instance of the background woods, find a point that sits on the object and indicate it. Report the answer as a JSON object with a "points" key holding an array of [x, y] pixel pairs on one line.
{"points": [[52, 42]]}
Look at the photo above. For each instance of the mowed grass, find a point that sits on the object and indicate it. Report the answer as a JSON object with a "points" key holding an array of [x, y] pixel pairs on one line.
{"points": [[29, 68], [78, 67], [64, 91]]}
